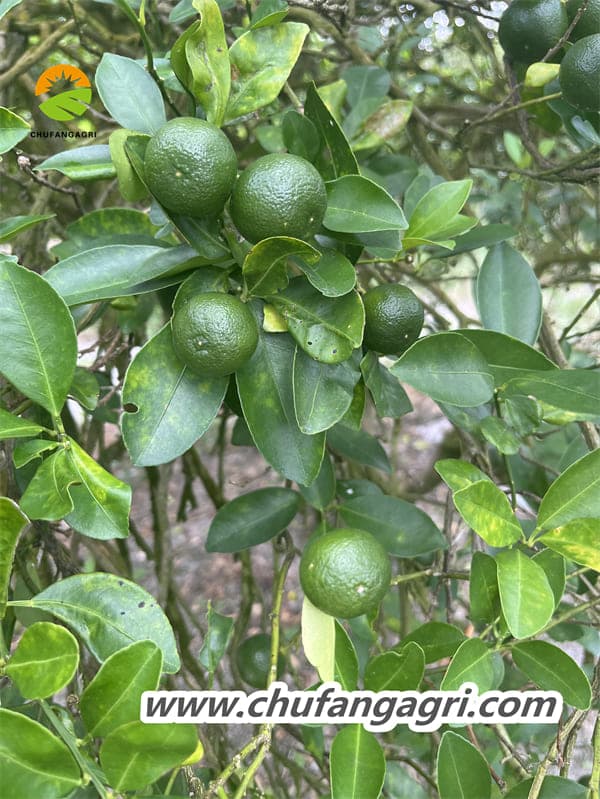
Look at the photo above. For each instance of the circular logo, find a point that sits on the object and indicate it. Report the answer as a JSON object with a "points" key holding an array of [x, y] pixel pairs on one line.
{"points": [[70, 91]]}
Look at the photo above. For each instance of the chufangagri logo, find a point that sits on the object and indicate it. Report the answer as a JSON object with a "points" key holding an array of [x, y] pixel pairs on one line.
{"points": [[70, 92]]}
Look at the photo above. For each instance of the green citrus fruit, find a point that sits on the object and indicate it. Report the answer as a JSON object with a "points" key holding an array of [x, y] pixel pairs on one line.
{"points": [[190, 167], [214, 333], [345, 573], [393, 318], [278, 195], [253, 659], [579, 74], [589, 22], [529, 28]]}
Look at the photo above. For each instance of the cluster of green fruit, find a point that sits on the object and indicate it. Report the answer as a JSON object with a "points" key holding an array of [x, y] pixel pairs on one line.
{"points": [[530, 29]]}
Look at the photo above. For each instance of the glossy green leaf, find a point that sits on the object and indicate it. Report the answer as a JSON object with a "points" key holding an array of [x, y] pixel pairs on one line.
{"points": [[436, 639], [404, 530], [12, 426], [252, 519], [509, 296], [129, 94], [323, 392], [340, 158], [484, 596], [396, 671], [573, 495], [551, 669], [327, 328], [497, 433], [300, 135], [90, 162], [269, 12], [472, 662], [265, 387], [218, 634], [552, 788], [265, 266], [576, 540], [33, 761], [47, 494], [448, 368], [459, 474], [44, 660], [136, 754], [356, 204], [318, 640], [113, 697], [388, 395], [130, 185], [333, 274], [13, 225], [554, 567], [13, 129], [525, 593], [31, 450], [108, 613], [115, 270], [572, 390], [436, 208], [107, 226], [12, 522], [201, 62], [346, 660], [38, 346], [262, 61], [357, 764], [205, 237], [164, 418], [507, 357], [486, 509], [462, 771], [481, 236], [359, 446], [321, 493]]}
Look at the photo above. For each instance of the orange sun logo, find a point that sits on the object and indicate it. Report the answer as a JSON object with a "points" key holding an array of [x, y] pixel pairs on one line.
{"points": [[70, 91]]}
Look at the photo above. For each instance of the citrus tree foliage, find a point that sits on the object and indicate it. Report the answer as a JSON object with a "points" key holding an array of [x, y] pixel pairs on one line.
{"points": [[469, 180]]}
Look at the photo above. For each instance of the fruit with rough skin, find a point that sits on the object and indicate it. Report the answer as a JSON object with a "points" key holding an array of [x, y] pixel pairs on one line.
{"points": [[393, 318], [579, 74]]}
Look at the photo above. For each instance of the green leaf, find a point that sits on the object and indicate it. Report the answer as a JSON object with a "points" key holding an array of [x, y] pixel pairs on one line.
{"points": [[436, 639], [115, 270], [486, 509], [206, 279], [509, 296], [252, 519], [319, 640], [525, 593], [269, 12], [340, 158], [572, 390], [327, 328], [551, 669], [201, 62], [552, 788], [448, 368], [333, 274], [136, 754], [359, 446], [113, 697], [29, 451], [462, 771], [13, 128], [265, 387], [262, 61], [472, 662], [364, 82], [12, 522], [323, 392], [499, 435], [484, 596], [577, 540], [6, 5], [573, 495], [396, 671], [321, 493], [12, 426], [403, 529], [66, 105], [33, 761], [554, 567], [507, 357], [482, 236], [459, 474], [13, 225], [164, 418], [346, 661], [107, 226], [90, 162], [435, 210], [47, 494], [300, 135], [85, 388], [216, 640], [385, 123], [44, 660], [108, 613], [130, 185], [130, 94], [38, 346], [357, 764], [358, 205], [265, 266], [388, 395]]}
